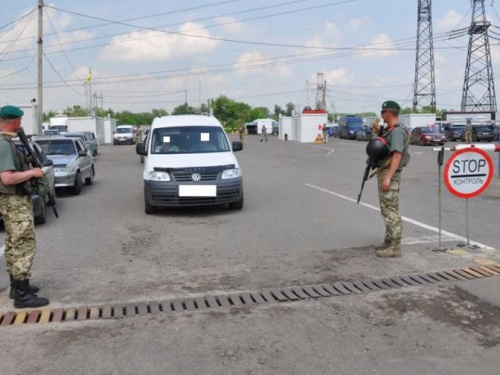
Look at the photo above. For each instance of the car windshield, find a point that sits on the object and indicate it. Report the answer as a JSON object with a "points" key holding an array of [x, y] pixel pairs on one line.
{"points": [[57, 146], [429, 130], [189, 139], [484, 128], [123, 130]]}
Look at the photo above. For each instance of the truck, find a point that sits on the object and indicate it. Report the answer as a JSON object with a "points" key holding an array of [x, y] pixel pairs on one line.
{"points": [[349, 125]]}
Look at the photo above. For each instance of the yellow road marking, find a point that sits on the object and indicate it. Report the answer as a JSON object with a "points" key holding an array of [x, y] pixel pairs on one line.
{"points": [[459, 252], [484, 262], [20, 318], [45, 316]]}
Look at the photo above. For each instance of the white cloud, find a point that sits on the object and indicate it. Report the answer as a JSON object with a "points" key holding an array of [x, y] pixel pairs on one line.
{"points": [[356, 23], [229, 24], [338, 76], [380, 47], [260, 64], [154, 45], [449, 22]]}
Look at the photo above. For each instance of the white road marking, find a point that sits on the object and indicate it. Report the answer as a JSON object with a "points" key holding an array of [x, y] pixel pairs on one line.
{"points": [[316, 146], [450, 236]]}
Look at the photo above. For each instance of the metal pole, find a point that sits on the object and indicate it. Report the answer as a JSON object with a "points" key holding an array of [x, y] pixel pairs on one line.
{"points": [[467, 220], [440, 163], [40, 69]]}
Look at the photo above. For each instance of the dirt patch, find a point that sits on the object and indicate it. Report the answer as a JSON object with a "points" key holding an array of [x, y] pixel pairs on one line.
{"points": [[454, 306]]}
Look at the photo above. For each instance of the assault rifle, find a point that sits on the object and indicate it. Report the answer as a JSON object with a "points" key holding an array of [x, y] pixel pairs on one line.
{"points": [[33, 160], [366, 175]]}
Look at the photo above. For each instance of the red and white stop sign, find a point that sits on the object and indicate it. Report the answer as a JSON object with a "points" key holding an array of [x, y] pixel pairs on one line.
{"points": [[468, 172]]}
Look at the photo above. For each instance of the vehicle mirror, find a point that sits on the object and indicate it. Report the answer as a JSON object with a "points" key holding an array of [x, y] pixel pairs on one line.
{"points": [[237, 146], [140, 149], [82, 153]]}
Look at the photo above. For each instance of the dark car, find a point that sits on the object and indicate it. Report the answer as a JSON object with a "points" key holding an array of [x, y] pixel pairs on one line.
{"points": [[483, 133], [88, 138], [40, 202], [426, 136], [454, 132]]}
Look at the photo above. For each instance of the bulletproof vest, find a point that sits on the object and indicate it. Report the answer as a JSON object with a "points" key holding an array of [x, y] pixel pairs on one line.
{"points": [[20, 164]]}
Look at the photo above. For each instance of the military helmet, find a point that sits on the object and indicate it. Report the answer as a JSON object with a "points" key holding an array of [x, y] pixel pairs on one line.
{"points": [[377, 148]]}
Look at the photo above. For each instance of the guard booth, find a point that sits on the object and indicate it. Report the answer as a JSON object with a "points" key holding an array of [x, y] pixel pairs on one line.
{"points": [[306, 126], [285, 125]]}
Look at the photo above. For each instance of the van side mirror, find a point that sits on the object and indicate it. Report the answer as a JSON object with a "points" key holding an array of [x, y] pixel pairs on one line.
{"points": [[237, 146], [82, 153], [140, 149]]}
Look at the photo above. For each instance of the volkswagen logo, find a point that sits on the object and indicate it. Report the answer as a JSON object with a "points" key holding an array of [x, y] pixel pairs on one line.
{"points": [[196, 177]]}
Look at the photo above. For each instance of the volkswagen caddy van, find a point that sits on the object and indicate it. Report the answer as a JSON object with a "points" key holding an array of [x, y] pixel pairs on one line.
{"points": [[189, 161]]}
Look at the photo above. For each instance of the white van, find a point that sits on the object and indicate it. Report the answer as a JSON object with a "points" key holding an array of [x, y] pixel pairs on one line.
{"points": [[124, 134], [190, 162]]}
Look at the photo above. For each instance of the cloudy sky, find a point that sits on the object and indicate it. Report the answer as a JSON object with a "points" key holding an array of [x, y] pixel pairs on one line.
{"points": [[156, 53]]}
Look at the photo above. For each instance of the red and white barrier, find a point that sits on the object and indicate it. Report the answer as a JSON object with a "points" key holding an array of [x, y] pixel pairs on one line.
{"points": [[486, 147]]}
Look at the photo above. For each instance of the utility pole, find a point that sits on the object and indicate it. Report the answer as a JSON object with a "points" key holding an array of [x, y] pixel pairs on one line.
{"points": [[478, 93], [425, 83], [40, 69]]}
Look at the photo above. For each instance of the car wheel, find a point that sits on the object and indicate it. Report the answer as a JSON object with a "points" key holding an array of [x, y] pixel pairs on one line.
{"points": [[77, 188], [90, 180], [237, 205], [148, 209], [41, 219]]}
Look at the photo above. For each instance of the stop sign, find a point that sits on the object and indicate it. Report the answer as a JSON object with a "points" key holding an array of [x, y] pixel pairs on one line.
{"points": [[468, 172]]}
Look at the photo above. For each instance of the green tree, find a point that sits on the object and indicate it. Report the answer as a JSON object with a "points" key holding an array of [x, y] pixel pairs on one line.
{"points": [[183, 109], [290, 107]]}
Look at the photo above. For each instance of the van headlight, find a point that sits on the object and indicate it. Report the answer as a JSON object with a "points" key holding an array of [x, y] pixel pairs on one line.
{"points": [[158, 176], [231, 173]]}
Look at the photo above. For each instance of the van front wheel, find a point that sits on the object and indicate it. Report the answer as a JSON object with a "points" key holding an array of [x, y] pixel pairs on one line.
{"points": [[238, 205], [148, 209]]}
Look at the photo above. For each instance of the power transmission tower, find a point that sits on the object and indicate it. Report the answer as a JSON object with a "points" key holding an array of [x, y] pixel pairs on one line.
{"points": [[320, 92], [478, 93], [425, 83]]}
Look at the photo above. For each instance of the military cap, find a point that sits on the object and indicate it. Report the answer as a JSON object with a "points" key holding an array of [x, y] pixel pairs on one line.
{"points": [[11, 112], [390, 104]]}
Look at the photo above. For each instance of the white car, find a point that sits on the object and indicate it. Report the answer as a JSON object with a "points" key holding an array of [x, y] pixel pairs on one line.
{"points": [[189, 161]]}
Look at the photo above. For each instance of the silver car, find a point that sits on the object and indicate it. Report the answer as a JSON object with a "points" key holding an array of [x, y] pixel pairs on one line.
{"points": [[73, 163]]}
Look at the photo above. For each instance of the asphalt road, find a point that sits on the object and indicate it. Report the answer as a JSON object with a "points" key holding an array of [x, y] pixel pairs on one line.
{"points": [[300, 226]]}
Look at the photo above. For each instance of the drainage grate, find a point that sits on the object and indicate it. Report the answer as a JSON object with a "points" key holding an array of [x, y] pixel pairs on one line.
{"points": [[288, 294]]}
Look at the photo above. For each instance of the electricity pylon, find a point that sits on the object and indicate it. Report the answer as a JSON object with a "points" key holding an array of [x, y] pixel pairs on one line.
{"points": [[478, 93], [425, 84]]}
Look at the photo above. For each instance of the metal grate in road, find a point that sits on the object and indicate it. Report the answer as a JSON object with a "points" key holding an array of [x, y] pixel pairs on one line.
{"points": [[288, 294]]}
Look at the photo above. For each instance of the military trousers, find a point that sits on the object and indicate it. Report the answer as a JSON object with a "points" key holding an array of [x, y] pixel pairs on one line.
{"points": [[389, 206], [20, 242]]}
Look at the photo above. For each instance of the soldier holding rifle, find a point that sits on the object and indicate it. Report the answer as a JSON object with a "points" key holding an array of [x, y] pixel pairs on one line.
{"points": [[17, 209]]}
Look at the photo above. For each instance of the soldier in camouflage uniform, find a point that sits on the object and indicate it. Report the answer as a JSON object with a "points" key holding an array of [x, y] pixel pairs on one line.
{"points": [[17, 210], [389, 180]]}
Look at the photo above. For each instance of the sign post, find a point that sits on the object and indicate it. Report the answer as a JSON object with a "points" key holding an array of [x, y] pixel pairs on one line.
{"points": [[468, 173]]}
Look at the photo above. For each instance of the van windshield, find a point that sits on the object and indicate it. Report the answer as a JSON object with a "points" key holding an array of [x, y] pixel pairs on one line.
{"points": [[124, 130], [189, 139]]}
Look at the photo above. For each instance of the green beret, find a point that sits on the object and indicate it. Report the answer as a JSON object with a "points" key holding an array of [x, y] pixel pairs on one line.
{"points": [[390, 104], [11, 112]]}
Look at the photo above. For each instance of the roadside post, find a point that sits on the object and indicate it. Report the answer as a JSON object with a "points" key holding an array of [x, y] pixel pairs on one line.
{"points": [[467, 174], [440, 159]]}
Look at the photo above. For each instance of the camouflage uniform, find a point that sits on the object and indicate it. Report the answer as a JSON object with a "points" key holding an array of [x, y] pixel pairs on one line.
{"points": [[397, 140], [264, 133], [17, 210], [138, 139]]}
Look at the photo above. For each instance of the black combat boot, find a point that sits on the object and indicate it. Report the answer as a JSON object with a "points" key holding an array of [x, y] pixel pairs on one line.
{"points": [[25, 298], [33, 289]]}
